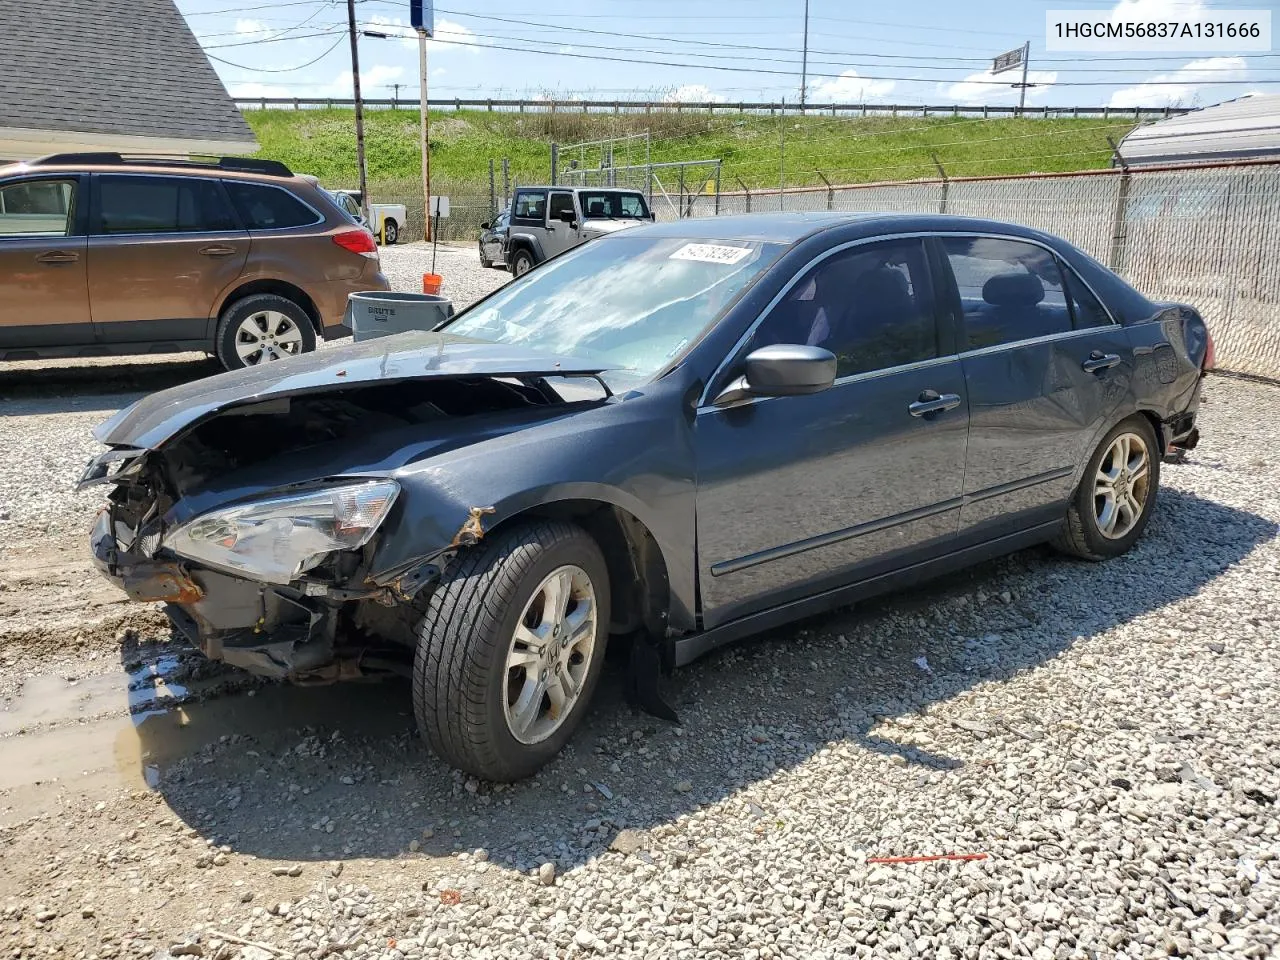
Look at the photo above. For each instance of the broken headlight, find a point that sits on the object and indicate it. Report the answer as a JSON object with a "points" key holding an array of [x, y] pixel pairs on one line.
{"points": [[278, 539]]}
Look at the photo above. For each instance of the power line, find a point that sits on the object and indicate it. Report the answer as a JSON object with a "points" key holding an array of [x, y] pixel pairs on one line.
{"points": [[301, 66]]}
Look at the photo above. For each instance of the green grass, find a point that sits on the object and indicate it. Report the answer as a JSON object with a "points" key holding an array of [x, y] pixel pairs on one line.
{"points": [[853, 150]]}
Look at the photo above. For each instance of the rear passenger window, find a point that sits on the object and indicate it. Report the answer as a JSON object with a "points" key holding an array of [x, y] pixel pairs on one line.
{"points": [[1089, 312], [1009, 291], [138, 204], [263, 207], [531, 206], [41, 208], [872, 306]]}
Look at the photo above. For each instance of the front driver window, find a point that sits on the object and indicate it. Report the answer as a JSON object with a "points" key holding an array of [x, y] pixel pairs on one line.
{"points": [[872, 306], [561, 203]]}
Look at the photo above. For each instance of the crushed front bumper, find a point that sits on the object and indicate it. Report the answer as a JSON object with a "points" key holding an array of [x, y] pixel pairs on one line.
{"points": [[264, 629]]}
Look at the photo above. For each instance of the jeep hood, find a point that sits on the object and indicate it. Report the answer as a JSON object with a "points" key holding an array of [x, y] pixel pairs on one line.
{"points": [[599, 228], [418, 355]]}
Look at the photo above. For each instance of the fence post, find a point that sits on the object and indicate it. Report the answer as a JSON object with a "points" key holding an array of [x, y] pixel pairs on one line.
{"points": [[555, 161], [717, 203], [831, 193], [746, 190], [264, 103], [680, 206], [946, 184], [493, 200], [1119, 218], [506, 180]]}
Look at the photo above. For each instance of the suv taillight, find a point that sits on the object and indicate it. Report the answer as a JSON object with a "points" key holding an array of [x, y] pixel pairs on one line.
{"points": [[358, 241]]}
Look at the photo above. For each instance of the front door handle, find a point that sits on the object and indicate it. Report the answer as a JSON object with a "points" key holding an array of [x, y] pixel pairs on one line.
{"points": [[58, 256], [217, 250], [931, 402], [1099, 361]]}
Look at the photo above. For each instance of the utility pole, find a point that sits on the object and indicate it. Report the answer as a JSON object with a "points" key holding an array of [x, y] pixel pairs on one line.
{"points": [[782, 153], [355, 89], [804, 62], [1022, 87], [426, 130], [395, 90]]}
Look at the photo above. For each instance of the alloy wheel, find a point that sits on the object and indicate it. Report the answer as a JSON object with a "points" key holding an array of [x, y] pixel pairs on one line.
{"points": [[550, 654], [267, 335], [1122, 486]]}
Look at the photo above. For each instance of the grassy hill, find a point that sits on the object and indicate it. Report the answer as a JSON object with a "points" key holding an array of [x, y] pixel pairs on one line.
{"points": [[846, 150], [753, 148]]}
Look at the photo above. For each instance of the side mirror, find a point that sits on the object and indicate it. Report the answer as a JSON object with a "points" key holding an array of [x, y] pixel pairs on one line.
{"points": [[781, 370], [485, 225], [566, 216]]}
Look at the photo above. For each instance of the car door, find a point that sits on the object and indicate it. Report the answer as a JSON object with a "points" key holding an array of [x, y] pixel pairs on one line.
{"points": [[1045, 368], [562, 233], [800, 494], [44, 294], [161, 249]]}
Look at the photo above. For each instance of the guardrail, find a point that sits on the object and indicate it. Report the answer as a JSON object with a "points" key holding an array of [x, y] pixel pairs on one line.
{"points": [[658, 106]]}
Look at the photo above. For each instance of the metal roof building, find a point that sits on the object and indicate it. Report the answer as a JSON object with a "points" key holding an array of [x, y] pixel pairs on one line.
{"points": [[1243, 129], [112, 75]]}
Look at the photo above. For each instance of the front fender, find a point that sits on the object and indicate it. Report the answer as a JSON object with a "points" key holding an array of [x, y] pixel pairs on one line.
{"points": [[517, 240], [629, 454]]}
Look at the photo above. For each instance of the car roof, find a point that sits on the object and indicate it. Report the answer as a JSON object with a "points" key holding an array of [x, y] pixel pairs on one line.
{"points": [[544, 186], [789, 228], [160, 166]]}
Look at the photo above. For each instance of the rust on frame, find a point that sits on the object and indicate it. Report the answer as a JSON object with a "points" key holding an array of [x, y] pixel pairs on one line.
{"points": [[169, 584], [472, 530]]}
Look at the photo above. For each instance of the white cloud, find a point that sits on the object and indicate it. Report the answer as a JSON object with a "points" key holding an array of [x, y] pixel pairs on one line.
{"points": [[1181, 86], [250, 90], [850, 88], [446, 36], [693, 93], [979, 88], [250, 26], [372, 80]]}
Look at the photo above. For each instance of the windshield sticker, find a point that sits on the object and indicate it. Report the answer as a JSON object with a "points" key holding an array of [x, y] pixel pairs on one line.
{"points": [[711, 253]]}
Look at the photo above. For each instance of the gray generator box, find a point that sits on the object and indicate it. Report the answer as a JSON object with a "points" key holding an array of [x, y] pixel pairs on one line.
{"points": [[381, 313]]}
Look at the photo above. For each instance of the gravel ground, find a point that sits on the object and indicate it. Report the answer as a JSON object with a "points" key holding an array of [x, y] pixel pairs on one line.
{"points": [[1104, 735]]}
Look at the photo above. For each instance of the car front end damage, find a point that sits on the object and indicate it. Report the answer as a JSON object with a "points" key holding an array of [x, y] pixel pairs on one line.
{"points": [[256, 518]]}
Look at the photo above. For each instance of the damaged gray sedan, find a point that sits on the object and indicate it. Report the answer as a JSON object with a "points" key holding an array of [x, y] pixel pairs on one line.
{"points": [[672, 437]]}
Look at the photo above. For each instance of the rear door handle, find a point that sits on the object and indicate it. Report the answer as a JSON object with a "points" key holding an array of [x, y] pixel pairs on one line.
{"points": [[217, 250], [58, 256], [933, 402], [1100, 361]]}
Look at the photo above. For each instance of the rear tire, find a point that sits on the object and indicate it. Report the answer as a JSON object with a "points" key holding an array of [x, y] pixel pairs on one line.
{"points": [[390, 232], [490, 696], [483, 262], [521, 263], [260, 328], [1117, 493]]}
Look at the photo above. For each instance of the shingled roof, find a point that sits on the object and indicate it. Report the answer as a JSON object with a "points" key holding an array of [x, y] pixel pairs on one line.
{"points": [[108, 69]]}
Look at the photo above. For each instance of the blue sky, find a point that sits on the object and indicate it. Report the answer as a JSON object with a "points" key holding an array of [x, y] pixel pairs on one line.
{"points": [[909, 52]]}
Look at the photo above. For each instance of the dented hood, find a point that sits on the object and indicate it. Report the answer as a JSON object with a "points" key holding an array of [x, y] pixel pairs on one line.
{"points": [[155, 419]]}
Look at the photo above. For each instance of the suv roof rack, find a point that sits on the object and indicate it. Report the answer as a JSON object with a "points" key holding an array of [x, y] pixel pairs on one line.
{"points": [[238, 164]]}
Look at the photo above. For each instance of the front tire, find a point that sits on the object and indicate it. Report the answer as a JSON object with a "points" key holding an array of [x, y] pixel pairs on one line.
{"points": [[260, 328], [390, 232], [510, 649], [1117, 493], [521, 263]]}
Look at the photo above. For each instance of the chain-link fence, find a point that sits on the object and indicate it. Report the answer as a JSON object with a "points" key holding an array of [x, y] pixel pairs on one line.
{"points": [[1208, 235], [672, 189]]}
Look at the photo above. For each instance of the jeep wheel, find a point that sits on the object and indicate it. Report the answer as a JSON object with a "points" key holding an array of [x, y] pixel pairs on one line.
{"points": [[521, 263], [510, 649], [1117, 493], [390, 232], [260, 328]]}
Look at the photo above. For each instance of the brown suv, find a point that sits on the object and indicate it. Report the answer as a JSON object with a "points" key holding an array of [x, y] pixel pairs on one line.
{"points": [[102, 254]]}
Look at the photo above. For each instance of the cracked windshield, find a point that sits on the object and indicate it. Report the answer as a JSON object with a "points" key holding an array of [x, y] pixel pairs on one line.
{"points": [[631, 304]]}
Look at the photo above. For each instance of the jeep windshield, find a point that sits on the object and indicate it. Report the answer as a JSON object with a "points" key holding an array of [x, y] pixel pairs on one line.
{"points": [[613, 205], [630, 303]]}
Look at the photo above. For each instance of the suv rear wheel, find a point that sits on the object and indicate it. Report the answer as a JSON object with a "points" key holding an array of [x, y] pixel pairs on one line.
{"points": [[261, 328]]}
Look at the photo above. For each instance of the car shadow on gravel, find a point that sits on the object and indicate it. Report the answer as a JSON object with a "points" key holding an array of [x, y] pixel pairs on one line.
{"points": [[49, 387], [338, 773]]}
